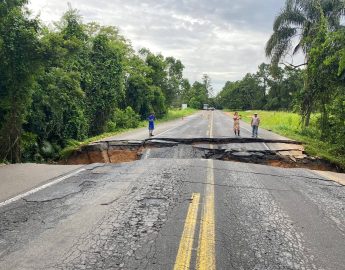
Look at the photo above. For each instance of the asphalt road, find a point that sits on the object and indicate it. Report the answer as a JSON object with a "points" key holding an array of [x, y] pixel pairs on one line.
{"points": [[20, 178], [174, 210], [198, 126]]}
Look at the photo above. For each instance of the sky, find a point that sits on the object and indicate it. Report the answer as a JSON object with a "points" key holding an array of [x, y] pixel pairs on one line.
{"points": [[222, 38]]}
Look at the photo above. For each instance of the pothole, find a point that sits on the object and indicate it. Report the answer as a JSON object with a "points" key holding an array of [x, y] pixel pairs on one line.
{"points": [[155, 202], [278, 153]]}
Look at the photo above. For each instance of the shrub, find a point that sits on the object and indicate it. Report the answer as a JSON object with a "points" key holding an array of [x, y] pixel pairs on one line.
{"points": [[30, 147], [123, 119]]}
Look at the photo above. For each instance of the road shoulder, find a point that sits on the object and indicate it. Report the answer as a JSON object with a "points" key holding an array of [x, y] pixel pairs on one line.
{"points": [[19, 178], [332, 176]]}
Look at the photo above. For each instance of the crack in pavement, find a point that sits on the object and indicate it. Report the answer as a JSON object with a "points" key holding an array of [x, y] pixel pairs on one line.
{"points": [[138, 224], [129, 234], [125, 151], [277, 175], [84, 185]]}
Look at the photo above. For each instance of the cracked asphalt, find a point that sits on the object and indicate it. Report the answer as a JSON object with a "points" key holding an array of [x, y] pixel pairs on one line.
{"points": [[132, 215]]}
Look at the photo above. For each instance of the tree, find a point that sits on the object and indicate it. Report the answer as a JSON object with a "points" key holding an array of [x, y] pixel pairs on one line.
{"points": [[185, 91], [166, 73], [20, 60], [266, 89], [300, 19], [159, 74], [208, 85], [244, 94], [198, 95], [281, 86], [326, 74], [303, 19], [94, 29], [138, 93], [72, 80], [58, 113], [174, 81], [106, 88], [158, 102], [142, 92]]}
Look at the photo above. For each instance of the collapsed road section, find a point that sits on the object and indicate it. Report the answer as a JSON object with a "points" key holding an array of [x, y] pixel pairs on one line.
{"points": [[278, 153]]}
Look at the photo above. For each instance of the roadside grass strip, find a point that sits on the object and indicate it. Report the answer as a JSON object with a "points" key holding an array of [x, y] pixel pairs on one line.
{"points": [[184, 254]]}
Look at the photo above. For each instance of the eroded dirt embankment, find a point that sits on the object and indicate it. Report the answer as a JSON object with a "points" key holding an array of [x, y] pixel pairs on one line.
{"points": [[278, 153], [106, 152]]}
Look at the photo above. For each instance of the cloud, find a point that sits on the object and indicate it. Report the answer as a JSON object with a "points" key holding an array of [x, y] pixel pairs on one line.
{"points": [[222, 38]]}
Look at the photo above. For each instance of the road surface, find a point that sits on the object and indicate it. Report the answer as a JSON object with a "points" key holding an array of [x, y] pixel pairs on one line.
{"points": [[175, 210], [20, 178]]}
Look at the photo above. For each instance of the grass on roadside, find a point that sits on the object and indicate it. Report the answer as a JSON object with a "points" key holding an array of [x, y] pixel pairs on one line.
{"points": [[176, 114], [288, 124], [74, 145]]}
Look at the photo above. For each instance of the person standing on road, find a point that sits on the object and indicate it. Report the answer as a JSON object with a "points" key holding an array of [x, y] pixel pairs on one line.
{"points": [[236, 119], [255, 125], [151, 119]]}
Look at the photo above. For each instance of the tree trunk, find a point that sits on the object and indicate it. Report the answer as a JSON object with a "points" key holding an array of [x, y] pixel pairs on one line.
{"points": [[10, 136], [307, 118]]}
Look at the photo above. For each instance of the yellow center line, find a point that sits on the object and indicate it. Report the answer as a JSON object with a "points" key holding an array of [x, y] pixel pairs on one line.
{"points": [[184, 253], [211, 126], [206, 256]]}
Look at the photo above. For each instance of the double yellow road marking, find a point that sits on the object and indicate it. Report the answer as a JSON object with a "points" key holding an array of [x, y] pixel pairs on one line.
{"points": [[206, 258], [210, 126], [184, 253]]}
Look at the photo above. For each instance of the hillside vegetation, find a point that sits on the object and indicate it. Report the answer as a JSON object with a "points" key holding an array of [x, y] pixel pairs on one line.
{"points": [[73, 81]]}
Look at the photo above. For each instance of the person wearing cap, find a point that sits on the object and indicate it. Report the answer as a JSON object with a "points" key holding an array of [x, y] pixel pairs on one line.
{"points": [[151, 120], [255, 125]]}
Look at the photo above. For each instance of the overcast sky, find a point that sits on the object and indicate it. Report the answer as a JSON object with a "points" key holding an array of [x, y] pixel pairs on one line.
{"points": [[223, 38]]}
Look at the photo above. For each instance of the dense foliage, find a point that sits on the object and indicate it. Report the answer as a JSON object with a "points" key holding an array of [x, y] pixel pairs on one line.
{"points": [[20, 58], [267, 89], [318, 88], [74, 80], [197, 94], [318, 24]]}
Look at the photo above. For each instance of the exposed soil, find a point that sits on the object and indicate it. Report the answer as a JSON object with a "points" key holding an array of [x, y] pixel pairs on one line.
{"points": [[280, 153], [106, 152]]}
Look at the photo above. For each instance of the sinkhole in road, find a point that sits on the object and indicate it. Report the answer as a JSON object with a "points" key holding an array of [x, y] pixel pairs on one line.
{"points": [[277, 153]]}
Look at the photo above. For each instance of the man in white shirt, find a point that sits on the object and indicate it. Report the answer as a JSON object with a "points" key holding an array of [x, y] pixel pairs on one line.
{"points": [[255, 125]]}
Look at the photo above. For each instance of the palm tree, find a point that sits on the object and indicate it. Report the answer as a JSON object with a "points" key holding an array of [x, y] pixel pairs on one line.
{"points": [[299, 22], [297, 28]]}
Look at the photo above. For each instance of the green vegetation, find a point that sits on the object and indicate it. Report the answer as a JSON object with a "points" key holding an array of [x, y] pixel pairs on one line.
{"points": [[74, 81], [315, 92], [172, 114], [274, 120], [176, 114], [197, 94], [63, 84], [268, 89], [289, 124]]}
